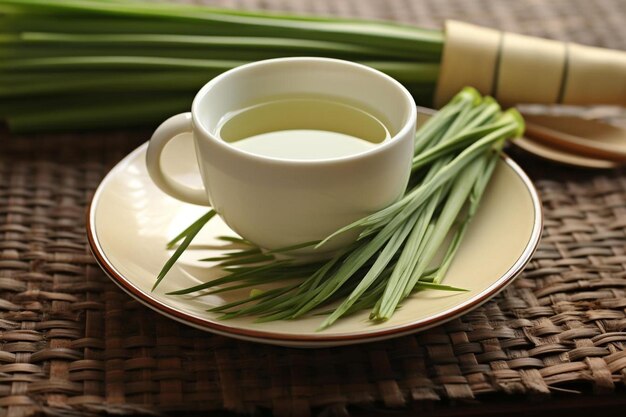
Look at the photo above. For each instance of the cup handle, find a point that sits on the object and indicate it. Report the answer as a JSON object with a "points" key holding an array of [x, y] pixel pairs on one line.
{"points": [[169, 129]]}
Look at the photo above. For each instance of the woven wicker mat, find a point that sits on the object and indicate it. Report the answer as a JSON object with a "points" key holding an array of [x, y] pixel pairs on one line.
{"points": [[72, 343]]}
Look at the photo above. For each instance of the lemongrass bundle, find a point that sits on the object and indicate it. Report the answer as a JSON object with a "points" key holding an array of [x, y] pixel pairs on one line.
{"points": [[85, 64], [82, 64], [455, 154]]}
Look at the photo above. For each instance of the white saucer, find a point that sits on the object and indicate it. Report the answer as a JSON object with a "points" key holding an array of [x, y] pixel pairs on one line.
{"points": [[130, 220]]}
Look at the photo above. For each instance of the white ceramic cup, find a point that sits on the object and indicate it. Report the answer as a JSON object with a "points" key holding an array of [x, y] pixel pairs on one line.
{"points": [[274, 202]]}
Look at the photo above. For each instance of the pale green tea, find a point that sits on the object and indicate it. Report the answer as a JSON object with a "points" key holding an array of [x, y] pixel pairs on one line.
{"points": [[303, 128]]}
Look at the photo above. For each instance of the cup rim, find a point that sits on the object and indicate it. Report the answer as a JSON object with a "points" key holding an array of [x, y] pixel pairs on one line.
{"points": [[402, 132]]}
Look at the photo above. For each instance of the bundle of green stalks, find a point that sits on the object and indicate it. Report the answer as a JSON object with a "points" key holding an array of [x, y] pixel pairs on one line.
{"points": [[396, 253], [88, 64]]}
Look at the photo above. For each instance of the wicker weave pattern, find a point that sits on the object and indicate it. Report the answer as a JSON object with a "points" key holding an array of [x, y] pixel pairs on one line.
{"points": [[72, 343]]}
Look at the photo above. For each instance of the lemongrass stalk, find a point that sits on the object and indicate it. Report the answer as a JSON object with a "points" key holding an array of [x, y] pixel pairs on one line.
{"points": [[192, 228], [235, 239], [235, 255], [382, 260], [288, 304], [75, 102], [190, 235], [233, 277], [474, 202], [377, 34], [447, 147], [404, 71], [247, 284], [462, 188], [457, 197], [435, 131], [81, 36], [112, 115], [411, 252], [210, 43], [104, 25], [282, 303], [269, 294], [36, 52], [453, 204], [506, 125], [245, 260], [396, 283], [26, 85], [435, 127], [351, 265], [116, 62]]}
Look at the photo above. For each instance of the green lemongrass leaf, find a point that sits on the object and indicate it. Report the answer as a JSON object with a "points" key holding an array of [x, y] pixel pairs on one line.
{"points": [[410, 254], [486, 112], [397, 283], [239, 260], [463, 116], [253, 297], [20, 52], [354, 261], [414, 199], [302, 292], [368, 298], [283, 303], [190, 235], [455, 243], [314, 280], [440, 287], [26, 84], [236, 253], [458, 195], [466, 128], [507, 127], [447, 140], [105, 102], [237, 268], [289, 268], [382, 260], [250, 283], [91, 115], [480, 185], [293, 247], [460, 141], [195, 226], [280, 315], [246, 43], [474, 201], [117, 62], [233, 239], [43, 37], [289, 313], [436, 125], [437, 231], [229, 278], [373, 33]]}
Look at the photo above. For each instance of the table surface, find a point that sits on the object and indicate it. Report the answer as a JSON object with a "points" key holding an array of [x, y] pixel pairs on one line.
{"points": [[71, 343]]}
